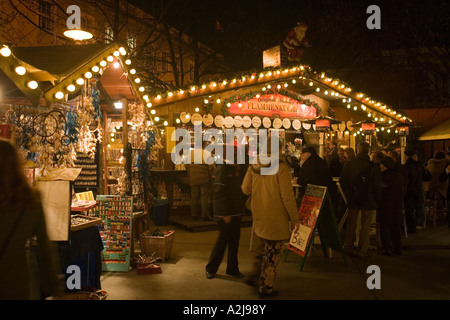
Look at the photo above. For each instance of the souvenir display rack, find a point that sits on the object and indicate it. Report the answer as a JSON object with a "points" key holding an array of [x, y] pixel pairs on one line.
{"points": [[116, 213], [88, 177]]}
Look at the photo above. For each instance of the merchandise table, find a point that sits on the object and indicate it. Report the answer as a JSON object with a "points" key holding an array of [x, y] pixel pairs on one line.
{"points": [[84, 249]]}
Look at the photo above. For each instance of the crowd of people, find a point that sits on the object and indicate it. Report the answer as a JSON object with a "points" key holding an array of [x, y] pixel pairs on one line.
{"points": [[376, 185]]}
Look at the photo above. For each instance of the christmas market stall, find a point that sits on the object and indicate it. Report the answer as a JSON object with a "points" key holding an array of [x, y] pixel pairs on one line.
{"points": [[79, 120], [300, 105]]}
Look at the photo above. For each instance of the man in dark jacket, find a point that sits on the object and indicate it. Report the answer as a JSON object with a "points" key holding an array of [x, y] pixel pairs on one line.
{"points": [[228, 208], [314, 170], [362, 185], [414, 200], [390, 212]]}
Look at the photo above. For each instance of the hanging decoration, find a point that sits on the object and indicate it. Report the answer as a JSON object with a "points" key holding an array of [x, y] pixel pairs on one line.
{"points": [[87, 138]]}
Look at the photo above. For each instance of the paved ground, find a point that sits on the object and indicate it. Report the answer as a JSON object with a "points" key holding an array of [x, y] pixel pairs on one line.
{"points": [[422, 272]]}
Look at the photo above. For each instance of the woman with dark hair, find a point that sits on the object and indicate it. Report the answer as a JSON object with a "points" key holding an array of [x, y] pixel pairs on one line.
{"points": [[22, 218], [349, 154]]}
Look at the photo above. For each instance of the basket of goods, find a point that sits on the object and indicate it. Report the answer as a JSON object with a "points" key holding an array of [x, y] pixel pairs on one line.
{"points": [[147, 265], [157, 244]]}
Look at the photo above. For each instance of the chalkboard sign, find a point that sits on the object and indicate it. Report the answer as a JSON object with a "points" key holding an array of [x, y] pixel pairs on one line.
{"points": [[316, 213]]}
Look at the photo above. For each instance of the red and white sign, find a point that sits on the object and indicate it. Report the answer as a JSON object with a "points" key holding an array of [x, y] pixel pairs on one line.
{"points": [[271, 104]]}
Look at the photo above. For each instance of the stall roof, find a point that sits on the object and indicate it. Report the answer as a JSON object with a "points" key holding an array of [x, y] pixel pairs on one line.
{"points": [[440, 132], [301, 79], [54, 68]]}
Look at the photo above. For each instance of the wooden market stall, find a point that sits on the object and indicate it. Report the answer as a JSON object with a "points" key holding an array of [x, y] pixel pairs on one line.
{"points": [[296, 102], [78, 119]]}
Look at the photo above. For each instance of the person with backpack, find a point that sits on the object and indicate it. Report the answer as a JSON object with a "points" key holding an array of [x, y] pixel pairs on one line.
{"points": [[362, 185]]}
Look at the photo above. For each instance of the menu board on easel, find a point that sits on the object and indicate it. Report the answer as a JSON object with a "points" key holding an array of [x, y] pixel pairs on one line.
{"points": [[309, 213], [116, 213], [313, 217]]}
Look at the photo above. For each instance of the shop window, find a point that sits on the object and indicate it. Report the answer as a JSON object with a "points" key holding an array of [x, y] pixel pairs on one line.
{"points": [[45, 11]]}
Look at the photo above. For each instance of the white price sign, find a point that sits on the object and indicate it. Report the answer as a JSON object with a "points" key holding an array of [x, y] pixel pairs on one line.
{"points": [[300, 236]]}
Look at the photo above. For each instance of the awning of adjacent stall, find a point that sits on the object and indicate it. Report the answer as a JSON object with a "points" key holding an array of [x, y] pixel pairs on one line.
{"points": [[48, 74], [440, 132]]}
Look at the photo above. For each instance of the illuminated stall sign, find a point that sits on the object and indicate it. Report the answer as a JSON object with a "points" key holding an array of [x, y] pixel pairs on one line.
{"points": [[402, 131], [368, 128], [322, 125], [272, 104]]}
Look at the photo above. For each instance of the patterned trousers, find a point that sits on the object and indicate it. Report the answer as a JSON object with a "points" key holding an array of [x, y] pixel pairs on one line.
{"points": [[266, 262]]}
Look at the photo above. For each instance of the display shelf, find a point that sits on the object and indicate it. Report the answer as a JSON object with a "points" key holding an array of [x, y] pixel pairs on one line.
{"points": [[116, 213]]}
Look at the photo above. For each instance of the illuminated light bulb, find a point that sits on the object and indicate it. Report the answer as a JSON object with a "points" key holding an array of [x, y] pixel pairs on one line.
{"points": [[103, 63], [310, 84], [203, 86], [332, 93], [285, 85], [363, 107], [116, 65], [354, 134], [257, 96], [177, 120], [344, 100], [181, 92], [263, 89], [197, 109], [149, 104], [269, 86], [158, 97], [348, 106], [224, 82], [20, 70], [376, 119], [128, 62], [145, 97], [71, 88], [218, 100], [122, 51], [318, 89], [369, 115], [355, 108], [278, 71], [59, 95], [261, 75], [240, 105], [252, 77], [188, 116], [156, 119], [5, 51], [326, 92], [278, 87], [193, 88], [116, 53], [133, 71], [269, 73], [141, 89], [137, 80], [390, 121], [381, 119], [243, 79], [32, 84], [88, 75], [95, 69], [110, 58], [80, 81], [228, 104], [293, 81], [214, 84], [166, 123], [153, 111], [382, 129]]}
